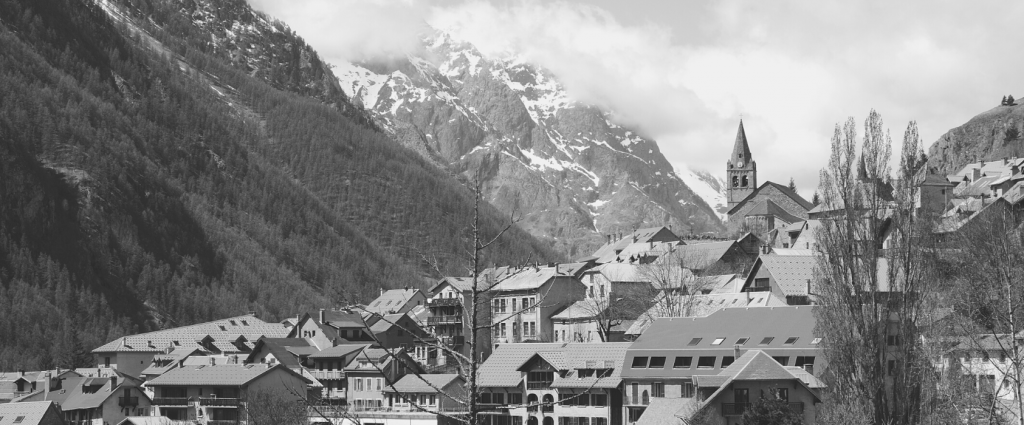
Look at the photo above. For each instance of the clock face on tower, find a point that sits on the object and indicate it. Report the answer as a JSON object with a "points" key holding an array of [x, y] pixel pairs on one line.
{"points": [[740, 164]]}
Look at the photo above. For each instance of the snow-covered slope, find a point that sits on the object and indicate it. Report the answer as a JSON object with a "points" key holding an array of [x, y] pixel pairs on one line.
{"points": [[709, 187], [572, 170]]}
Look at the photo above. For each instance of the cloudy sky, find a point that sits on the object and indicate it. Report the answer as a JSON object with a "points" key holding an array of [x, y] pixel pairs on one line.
{"points": [[683, 72]]}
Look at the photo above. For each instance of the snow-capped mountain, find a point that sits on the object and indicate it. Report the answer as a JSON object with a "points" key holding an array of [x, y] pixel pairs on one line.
{"points": [[572, 171], [709, 187]]}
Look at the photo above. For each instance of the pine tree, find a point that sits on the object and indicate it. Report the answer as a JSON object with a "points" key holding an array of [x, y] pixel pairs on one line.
{"points": [[792, 184], [1004, 101], [1009, 100]]}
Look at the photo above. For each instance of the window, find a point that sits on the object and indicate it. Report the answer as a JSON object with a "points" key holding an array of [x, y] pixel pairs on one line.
{"points": [[646, 398], [687, 389], [767, 340], [658, 389], [745, 181], [380, 382], [657, 363], [682, 362], [815, 341], [19, 419], [635, 387], [718, 341], [806, 362], [639, 362], [599, 400], [742, 341], [783, 360], [791, 340], [503, 330], [892, 340], [781, 394], [106, 362], [514, 398], [503, 305], [761, 282], [705, 362], [741, 395], [735, 183], [694, 341], [727, 360], [892, 367]]}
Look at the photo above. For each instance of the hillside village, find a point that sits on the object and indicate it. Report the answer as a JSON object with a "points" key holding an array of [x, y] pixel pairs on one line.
{"points": [[651, 328]]}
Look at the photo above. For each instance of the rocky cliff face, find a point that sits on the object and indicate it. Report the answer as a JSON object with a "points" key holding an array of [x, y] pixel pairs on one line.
{"points": [[994, 134], [572, 171]]}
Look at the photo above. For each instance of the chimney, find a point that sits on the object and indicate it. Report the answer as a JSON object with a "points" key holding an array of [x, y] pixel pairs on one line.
{"points": [[113, 383], [323, 314], [808, 287], [620, 236], [46, 384], [975, 174], [736, 351], [609, 238], [21, 372], [1006, 160], [650, 244], [213, 361]]}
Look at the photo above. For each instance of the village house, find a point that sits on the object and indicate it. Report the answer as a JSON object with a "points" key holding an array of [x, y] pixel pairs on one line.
{"points": [[524, 299], [95, 400], [328, 328], [449, 322], [699, 305], [21, 383], [31, 413], [981, 363], [423, 399], [553, 383], [647, 242], [669, 358], [616, 294], [292, 352], [724, 397], [209, 394], [231, 336], [788, 277], [372, 370], [396, 301], [328, 367], [714, 258]]}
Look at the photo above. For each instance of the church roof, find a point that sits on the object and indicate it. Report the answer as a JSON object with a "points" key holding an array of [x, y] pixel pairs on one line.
{"points": [[741, 147], [785, 191], [769, 208]]}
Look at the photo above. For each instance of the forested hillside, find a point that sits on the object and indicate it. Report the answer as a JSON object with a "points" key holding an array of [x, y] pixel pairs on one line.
{"points": [[150, 182]]}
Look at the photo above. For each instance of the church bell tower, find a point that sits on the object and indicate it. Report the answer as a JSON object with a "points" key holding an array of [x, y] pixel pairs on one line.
{"points": [[741, 170]]}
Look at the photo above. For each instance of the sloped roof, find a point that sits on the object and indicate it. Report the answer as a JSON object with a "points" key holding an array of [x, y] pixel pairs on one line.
{"points": [[700, 256], [644, 235], [704, 305], [392, 300], [767, 207], [151, 420], [424, 383], [338, 351], [33, 412], [526, 278], [791, 272], [621, 272], [229, 375], [224, 330], [753, 365], [785, 191], [500, 369], [582, 309], [387, 322], [73, 394], [740, 146], [662, 410], [755, 323], [279, 347]]}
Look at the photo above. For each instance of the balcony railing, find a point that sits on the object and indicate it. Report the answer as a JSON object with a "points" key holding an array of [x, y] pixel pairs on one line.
{"points": [[219, 402], [328, 374], [737, 409], [127, 401], [444, 320], [170, 401], [222, 422], [453, 340], [538, 385], [445, 302], [759, 289]]}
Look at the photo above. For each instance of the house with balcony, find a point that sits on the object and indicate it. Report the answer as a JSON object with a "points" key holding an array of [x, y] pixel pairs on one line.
{"points": [[328, 367], [371, 371], [664, 365], [93, 400], [428, 399], [31, 413], [553, 383], [448, 322], [291, 352], [231, 336], [216, 395], [524, 299], [755, 375], [327, 328]]}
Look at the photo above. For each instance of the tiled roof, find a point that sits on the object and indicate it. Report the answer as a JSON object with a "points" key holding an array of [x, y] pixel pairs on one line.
{"points": [[582, 309], [704, 305], [79, 393], [392, 300], [424, 383], [500, 369], [637, 250], [386, 323], [337, 351], [526, 278], [700, 256], [755, 323], [32, 413], [662, 410], [151, 420], [791, 272], [224, 330], [621, 272], [753, 365], [229, 375], [642, 236], [279, 347], [785, 191], [768, 207]]}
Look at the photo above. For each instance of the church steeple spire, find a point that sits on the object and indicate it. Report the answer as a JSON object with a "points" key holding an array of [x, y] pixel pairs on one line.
{"points": [[741, 170], [740, 149]]}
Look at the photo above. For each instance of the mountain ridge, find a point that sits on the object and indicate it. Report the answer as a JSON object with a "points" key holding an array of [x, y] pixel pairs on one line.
{"points": [[574, 172]]}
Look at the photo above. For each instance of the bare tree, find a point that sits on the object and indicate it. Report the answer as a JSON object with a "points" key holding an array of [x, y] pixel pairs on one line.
{"points": [[870, 279], [991, 300]]}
